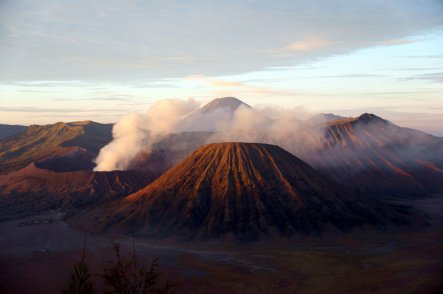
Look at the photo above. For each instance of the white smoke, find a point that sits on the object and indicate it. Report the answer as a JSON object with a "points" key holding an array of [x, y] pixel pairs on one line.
{"points": [[284, 127], [136, 132]]}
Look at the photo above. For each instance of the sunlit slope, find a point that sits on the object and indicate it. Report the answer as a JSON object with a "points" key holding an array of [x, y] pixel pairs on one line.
{"points": [[242, 190]]}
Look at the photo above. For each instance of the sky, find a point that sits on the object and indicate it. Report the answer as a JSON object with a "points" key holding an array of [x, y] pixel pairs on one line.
{"points": [[98, 60]]}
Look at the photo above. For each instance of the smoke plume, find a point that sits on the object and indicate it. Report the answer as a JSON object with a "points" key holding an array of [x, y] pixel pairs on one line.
{"points": [[308, 139], [136, 132]]}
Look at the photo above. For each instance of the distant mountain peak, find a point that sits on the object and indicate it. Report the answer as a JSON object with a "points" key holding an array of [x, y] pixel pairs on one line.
{"points": [[369, 117], [81, 123], [230, 103], [325, 117], [206, 118], [364, 118]]}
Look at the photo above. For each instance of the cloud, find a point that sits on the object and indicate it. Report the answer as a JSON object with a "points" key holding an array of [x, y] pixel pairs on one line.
{"points": [[169, 39], [395, 42], [423, 56], [125, 98], [403, 92], [436, 77], [307, 45], [55, 110], [57, 99], [418, 68], [215, 82], [346, 76], [238, 87]]}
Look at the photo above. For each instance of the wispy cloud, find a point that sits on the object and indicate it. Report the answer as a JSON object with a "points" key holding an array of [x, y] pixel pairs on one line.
{"points": [[56, 110], [168, 39], [107, 98], [62, 99], [239, 87], [215, 82], [404, 92], [348, 76], [395, 42], [422, 56], [436, 77], [307, 45], [418, 68]]}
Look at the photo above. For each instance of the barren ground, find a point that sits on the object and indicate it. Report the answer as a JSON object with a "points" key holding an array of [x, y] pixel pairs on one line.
{"points": [[38, 258]]}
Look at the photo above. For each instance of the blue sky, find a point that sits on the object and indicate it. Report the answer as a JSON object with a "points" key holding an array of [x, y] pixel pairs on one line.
{"points": [[76, 60]]}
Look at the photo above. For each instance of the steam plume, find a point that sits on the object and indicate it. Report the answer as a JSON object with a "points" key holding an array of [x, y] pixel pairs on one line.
{"points": [[136, 132]]}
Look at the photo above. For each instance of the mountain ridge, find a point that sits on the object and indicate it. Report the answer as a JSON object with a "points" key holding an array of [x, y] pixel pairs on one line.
{"points": [[39, 142], [34, 189], [7, 131]]}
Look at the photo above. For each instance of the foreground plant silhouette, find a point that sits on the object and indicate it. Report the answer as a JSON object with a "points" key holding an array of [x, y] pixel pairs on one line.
{"points": [[121, 276], [80, 279]]}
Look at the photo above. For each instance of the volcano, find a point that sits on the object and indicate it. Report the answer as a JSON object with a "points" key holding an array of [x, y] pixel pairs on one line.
{"points": [[380, 157], [242, 191], [208, 117], [230, 103]]}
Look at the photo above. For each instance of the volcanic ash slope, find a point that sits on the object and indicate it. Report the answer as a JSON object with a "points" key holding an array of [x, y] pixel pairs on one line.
{"points": [[243, 191]]}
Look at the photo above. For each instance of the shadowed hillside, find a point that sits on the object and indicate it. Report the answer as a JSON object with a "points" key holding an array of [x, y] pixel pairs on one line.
{"points": [[42, 142], [7, 131], [34, 190], [381, 158]]}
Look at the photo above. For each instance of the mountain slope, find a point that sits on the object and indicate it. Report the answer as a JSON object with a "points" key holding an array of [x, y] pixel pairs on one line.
{"points": [[324, 118], [7, 131], [365, 152], [34, 189], [379, 157], [230, 103], [41, 142], [241, 190]]}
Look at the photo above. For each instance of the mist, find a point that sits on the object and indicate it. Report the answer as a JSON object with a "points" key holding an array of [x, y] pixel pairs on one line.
{"points": [[138, 132], [290, 129]]}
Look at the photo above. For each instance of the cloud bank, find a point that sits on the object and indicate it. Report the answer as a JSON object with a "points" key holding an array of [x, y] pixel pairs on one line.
{"points": [[84, 40]]}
